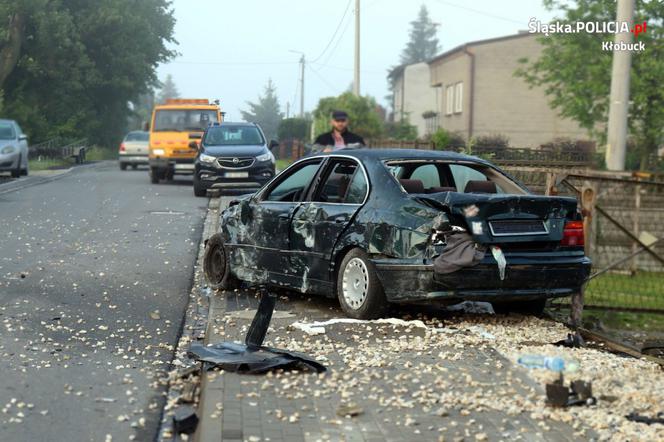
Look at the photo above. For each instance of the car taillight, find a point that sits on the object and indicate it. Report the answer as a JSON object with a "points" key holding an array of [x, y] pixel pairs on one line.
{"points": [[573, 234], [122, 147]]}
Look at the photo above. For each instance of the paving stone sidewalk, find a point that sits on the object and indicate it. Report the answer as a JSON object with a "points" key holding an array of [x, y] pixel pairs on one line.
{"points": [[402, 387]]}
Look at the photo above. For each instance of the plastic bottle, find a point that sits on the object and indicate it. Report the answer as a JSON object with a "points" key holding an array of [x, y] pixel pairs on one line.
{"points": [[552, 363]]}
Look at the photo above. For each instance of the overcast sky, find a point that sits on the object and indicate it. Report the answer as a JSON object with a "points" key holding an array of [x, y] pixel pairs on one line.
{"points": [[229, 49]]}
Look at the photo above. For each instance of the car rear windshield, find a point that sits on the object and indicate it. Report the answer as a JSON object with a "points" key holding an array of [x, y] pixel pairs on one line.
{"points": [[137, 136], [229, 135], [417, 176], [6, 131], [181, 120]]}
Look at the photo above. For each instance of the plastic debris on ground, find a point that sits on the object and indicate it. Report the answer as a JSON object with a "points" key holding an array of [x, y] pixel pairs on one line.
{"points": [[252, 357]]}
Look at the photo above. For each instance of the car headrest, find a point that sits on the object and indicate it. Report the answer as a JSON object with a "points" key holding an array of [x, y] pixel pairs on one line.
{"points": [[412, 186], [480, 187], [441, 189]]}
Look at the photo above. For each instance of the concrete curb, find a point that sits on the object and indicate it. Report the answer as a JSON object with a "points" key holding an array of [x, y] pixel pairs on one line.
{"points": [[195, 323]]}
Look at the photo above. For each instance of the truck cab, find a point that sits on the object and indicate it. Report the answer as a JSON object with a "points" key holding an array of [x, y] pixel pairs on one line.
{"points": [[174, 124]]}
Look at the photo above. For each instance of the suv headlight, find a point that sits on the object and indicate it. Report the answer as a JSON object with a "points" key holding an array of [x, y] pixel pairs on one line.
{"points": [[207, 158], [7, 149], [265, 157], [158, 151]]}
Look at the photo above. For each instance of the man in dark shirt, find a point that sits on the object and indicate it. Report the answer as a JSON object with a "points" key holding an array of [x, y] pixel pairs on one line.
{"points": [[339, 137]]}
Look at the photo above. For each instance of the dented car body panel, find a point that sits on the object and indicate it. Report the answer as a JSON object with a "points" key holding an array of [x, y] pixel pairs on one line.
{"points": [[294, 232]]}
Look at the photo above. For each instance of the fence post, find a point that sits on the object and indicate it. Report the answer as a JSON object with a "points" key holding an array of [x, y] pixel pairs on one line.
{"points": [[588, 199]]}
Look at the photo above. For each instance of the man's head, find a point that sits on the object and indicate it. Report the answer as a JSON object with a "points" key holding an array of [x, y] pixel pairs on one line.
{"points": [[339, 120]]}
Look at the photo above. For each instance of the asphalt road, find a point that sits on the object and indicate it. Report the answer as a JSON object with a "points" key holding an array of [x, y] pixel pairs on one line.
{"points": [[95, 270]]}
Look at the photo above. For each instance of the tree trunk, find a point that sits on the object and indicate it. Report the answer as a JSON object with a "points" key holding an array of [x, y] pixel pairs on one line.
{"points": [[10, 49]]}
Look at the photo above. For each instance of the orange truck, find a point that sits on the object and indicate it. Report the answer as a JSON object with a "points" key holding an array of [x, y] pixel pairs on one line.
{"points": [[174, 125]]}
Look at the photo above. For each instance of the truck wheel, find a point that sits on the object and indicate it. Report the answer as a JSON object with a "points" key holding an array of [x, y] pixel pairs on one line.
{"points": [[134, 166], [531, 307], [123, 166], [154, 175], [359, 290], [216, 266]]}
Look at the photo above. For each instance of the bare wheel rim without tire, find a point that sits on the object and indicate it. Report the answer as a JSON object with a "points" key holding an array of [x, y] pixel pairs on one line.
{"points": [[355, 283], [216, 264]]}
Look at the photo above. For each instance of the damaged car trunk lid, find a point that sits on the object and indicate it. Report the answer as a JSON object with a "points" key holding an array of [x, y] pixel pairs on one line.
{"points": [[499, 219]]}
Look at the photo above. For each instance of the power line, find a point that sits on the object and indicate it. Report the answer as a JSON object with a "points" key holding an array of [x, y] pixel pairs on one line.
{"points": [[332, 87], [334, 49], [477, 11], [334, 34], [233, 63]]}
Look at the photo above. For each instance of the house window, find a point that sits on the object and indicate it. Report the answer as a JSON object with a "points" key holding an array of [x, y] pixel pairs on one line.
{"points": [[458, 98], [449, 100]]}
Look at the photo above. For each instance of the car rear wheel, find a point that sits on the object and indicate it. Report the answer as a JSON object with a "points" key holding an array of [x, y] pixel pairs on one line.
{"points": [[216, 265], [134, 166], [531, 307], [359, 290], [17, 172]]}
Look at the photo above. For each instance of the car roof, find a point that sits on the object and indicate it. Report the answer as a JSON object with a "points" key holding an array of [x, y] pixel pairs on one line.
{"points": [[4, 120], [405, 154], [233, 123]]}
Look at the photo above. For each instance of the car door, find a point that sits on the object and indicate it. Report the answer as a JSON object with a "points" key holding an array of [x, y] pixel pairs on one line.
{"points": [[319, 222], [269, 215]]}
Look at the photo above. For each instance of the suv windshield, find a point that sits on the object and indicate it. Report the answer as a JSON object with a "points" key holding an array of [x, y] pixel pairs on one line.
{"points": [[229, 135], [6, 131], [180, 120], [137, 136]]}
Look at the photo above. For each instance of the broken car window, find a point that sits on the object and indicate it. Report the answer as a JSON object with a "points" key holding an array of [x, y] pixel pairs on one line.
{"points": [[340, 185], [428, 174], [473, 179], [293, 184]]}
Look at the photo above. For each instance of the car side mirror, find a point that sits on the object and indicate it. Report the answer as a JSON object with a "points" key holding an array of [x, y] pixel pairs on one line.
{"points": [[273, 144], [23, 137], [193, 145]]}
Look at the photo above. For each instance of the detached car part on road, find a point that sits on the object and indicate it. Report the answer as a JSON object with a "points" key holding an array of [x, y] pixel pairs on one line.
{"points": [[374, 227], [233, 156], [13, 149]]}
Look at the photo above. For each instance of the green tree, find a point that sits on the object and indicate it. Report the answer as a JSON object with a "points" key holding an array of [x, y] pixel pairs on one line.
{"points": [[266, 112], [401, 130], [575, 72], [423, 43], [168, 90], [363, 113], [70, 67], [294, 129]]}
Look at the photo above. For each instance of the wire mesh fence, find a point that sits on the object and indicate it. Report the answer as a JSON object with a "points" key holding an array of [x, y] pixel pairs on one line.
{"points": [[626, 237]]}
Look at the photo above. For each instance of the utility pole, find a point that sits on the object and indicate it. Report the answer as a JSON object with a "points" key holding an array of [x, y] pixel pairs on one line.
{"points": [[288, 109], [619, 99], [302, 64], [356, 80], [302, 61]]}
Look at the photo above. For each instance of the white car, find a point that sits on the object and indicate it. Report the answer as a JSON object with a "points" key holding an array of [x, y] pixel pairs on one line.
{"points": [[13, 149], [134, 149]]}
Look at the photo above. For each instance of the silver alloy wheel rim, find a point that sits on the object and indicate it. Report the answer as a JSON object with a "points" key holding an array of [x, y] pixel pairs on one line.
{"points": [[355, 283]]}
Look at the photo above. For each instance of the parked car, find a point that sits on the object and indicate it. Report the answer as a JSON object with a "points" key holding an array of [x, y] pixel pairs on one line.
{"points": [[13, 149], [232, 156], [374, 227], [134, 149]]}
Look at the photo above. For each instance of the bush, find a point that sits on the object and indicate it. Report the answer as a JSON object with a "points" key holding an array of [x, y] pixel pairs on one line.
{"points": [[494, 142], [294, 129], [443, 140], [401, 130]]}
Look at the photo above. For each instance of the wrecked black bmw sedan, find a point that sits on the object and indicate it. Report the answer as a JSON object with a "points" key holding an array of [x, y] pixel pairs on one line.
{"points": [[380, 226]]}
